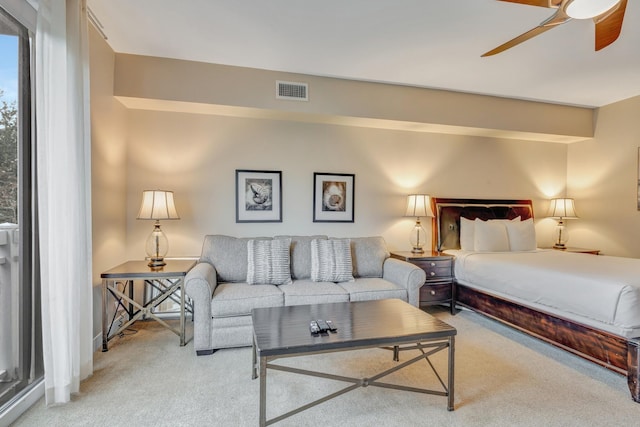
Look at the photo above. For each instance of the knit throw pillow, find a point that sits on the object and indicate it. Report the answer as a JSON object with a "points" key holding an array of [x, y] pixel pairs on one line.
{"points": [[331, 260], [268, 262]]}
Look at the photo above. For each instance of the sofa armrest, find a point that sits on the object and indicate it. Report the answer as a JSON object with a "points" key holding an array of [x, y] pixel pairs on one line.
{"points": [[405, 274], [199, 284]]}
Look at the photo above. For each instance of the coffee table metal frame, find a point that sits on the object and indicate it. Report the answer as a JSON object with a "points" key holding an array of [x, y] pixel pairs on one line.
{"points": [[427, 347]]}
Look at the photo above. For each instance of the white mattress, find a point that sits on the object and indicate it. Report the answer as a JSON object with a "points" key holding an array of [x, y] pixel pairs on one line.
{"points": [[598, 291]]}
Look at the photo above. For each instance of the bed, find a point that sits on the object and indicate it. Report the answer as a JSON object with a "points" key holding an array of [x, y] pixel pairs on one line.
{"points": [[586, 304]]}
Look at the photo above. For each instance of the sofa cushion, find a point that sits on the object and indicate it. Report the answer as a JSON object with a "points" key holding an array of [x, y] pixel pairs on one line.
{"points": [[368, 255], [305, 291], [373, 288], [331, 260], [301, 255], [237, 299], [225, 253], [268, 262]]}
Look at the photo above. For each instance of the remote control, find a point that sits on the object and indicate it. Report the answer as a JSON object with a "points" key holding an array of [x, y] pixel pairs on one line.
{"points": [[313, 327], [332, 327], [322, 325]]}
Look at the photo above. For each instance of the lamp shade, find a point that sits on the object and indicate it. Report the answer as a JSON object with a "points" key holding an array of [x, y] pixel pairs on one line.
{"points": [[562, 208], [418, 205], [157, 204]]}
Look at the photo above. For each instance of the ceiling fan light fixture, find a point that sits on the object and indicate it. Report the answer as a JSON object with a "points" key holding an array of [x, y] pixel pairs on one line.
{"points": [[587, 9]]}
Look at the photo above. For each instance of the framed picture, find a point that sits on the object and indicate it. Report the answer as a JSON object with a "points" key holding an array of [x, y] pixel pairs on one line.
{"points": [[258, 196], [333, 197]]}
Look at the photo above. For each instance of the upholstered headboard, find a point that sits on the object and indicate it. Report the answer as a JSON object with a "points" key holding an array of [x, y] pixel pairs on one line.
{"points": [[449, 211]]}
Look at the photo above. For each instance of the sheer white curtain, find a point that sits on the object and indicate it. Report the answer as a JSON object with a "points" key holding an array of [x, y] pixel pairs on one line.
{"points": [[63, 142]]}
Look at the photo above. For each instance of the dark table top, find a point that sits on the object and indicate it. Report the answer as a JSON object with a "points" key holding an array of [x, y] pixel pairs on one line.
{"points": [[141, 269], [283, 331]]}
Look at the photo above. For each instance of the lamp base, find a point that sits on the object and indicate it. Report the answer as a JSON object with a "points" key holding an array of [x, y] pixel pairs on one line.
{"points": [[156, 262], [417, 250], [559, 246]]}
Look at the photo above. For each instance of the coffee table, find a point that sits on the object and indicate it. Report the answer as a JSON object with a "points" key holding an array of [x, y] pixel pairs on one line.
{"points": [[280, 332]]}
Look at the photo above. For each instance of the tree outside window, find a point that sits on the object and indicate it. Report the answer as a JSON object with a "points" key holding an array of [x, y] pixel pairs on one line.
{"points": [[8, 160]]}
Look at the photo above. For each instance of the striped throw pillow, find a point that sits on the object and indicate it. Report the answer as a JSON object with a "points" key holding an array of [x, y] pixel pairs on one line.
{"points": [[268, 262], [331, 260]]}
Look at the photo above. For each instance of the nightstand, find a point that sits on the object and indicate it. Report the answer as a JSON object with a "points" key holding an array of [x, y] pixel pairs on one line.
{"points": [[437, 288], [578, 250]]}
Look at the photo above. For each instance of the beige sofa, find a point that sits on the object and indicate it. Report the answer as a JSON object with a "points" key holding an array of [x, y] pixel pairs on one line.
{"points": [[235, 275]]}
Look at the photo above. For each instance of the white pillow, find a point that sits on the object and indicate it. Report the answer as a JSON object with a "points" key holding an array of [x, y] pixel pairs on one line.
{"points": [[268, 262], [331, 260], [490, 236], [467, 234], [522, 235]]}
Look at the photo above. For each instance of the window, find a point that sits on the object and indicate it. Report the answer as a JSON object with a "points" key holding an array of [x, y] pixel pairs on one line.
{"points": [[20, 327]]}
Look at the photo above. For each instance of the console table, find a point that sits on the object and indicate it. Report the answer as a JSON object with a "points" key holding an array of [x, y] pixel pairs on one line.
{"points": [[167, 280]]}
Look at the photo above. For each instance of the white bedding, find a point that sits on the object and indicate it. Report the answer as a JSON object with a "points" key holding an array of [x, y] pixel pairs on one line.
{"points": [[599, 291]]}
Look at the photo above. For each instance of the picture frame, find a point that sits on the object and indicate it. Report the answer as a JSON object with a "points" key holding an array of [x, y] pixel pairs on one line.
{"points": [[258, 196], [333, 197]]}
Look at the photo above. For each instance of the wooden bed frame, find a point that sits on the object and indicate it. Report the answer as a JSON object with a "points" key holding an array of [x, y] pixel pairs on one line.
{"points": [[614, 352]]}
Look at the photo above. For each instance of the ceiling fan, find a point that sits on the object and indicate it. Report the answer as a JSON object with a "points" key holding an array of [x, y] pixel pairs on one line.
{"points": [[607, 15]]}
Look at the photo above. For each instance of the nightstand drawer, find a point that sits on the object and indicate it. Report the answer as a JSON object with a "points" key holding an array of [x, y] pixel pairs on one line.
{"points": [[436, 269], [435, 293]]}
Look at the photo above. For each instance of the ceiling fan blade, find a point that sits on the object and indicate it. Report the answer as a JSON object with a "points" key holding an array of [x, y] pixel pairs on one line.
{"points": [[541, 3], [517, 40], [608, 27], [558, 18]]}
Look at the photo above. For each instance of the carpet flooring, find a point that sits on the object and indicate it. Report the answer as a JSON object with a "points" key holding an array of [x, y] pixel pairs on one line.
{"points": [[502, 378]]}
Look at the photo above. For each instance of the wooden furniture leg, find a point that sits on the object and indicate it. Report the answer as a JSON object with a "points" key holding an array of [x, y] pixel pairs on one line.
{"points": [[633, 371]]}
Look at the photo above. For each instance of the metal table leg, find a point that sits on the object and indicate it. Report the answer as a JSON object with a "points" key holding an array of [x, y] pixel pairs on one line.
{"points": [[452, 344], [182, 325], [263, 391], [433, 347], [104, 316]]}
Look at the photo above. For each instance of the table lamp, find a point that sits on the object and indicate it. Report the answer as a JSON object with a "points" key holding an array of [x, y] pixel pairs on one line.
{"points": [[562, 208], [157, 205], [418, 205]]}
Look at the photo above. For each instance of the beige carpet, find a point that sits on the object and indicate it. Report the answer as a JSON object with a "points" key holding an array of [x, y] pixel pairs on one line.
{"points": [[503, 378]]}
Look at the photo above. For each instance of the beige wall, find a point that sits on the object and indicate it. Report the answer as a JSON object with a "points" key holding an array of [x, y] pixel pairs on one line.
{"points": [[191, 125], [196, 155], [174, 85], [603, 178], [108, 160], [142, 141], [108, 164]]}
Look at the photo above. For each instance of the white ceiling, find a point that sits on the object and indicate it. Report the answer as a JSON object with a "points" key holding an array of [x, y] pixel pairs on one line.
{"points": [[424, 43]]}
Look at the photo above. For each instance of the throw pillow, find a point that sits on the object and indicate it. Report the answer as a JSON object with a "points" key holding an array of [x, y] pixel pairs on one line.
{"points": [[368, 256], [301, 255], [268, 262], [522, 235], [490, 236], [331, 260]]}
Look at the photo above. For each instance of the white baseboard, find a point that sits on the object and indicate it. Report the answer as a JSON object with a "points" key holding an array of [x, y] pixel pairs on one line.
{"points": [[97, 342]]}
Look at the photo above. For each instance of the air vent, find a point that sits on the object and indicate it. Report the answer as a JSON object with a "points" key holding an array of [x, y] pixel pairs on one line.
{"points": [[292, 90]]}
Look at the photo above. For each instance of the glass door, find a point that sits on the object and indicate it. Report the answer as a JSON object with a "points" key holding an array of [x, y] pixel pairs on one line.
{"points": [[20, 330]]}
